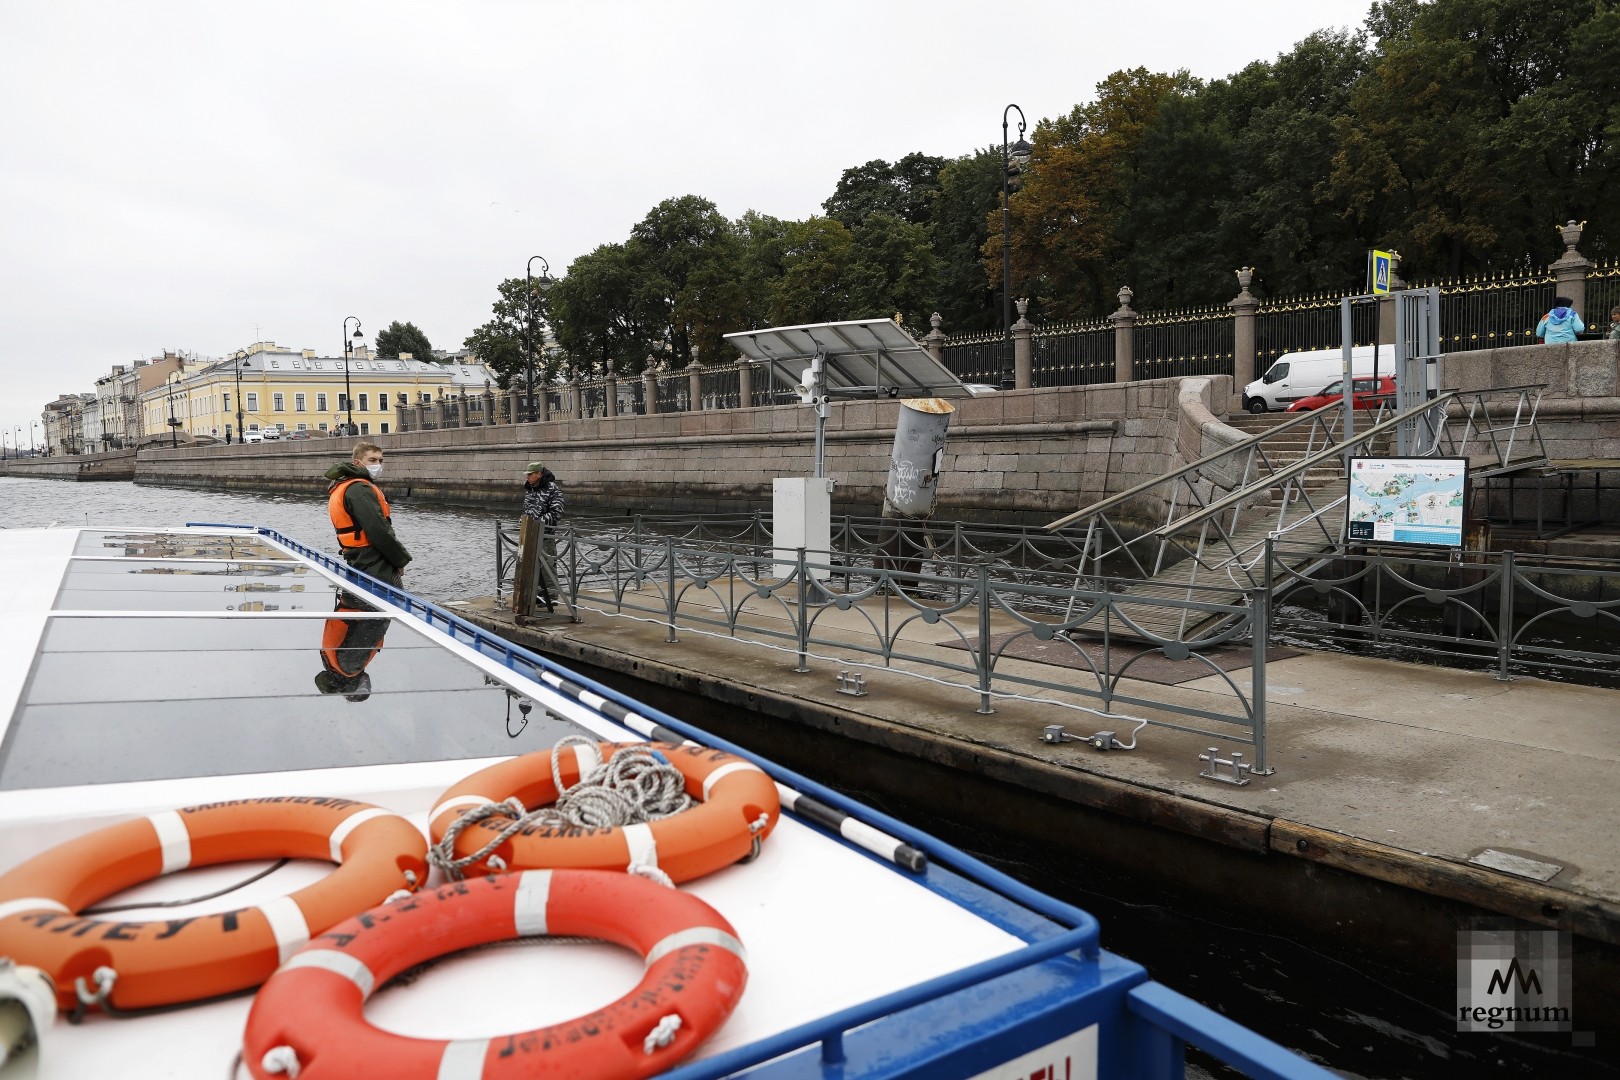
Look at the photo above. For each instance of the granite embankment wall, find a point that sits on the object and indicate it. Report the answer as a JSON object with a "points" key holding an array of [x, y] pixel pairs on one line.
{"points": [[1030, 456], [114, 465]]}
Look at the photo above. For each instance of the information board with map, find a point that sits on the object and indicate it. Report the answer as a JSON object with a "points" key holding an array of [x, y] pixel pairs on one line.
{"points": [[1407, 501]]}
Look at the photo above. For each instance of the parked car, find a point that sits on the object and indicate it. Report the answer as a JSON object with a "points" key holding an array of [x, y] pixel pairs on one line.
{"points": [[1364, 394], [253, 436], [272, 433], [1294, 375], [297, 434]]}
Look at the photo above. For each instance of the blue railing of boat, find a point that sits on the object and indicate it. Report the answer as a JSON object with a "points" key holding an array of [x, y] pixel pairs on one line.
{"points": [[1172, 1018]]}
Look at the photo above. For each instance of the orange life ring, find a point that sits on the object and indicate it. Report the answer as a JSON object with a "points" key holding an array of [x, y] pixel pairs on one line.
{"points": [[308, 1019], [187, 959], [738, 806]]}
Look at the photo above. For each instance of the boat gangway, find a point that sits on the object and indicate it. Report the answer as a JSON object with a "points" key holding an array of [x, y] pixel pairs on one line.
{"points": [[1286, 481]]}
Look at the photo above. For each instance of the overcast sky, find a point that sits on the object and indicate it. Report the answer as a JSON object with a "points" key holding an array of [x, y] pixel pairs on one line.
{"points": [[199, 176]]}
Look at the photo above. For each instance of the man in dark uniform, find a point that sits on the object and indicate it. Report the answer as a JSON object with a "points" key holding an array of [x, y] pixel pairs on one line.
{"points": [[359, 513]]}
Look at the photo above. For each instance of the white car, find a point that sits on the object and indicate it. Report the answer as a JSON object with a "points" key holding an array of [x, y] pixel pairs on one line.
{"points": [[272, 433], [253, 436]]}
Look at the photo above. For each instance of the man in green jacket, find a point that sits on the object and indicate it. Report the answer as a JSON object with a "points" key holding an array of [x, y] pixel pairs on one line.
{"points": [[359, 513]]}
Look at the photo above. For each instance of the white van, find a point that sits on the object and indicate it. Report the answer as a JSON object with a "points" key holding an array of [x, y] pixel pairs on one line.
{"points": [[1300, 374]]}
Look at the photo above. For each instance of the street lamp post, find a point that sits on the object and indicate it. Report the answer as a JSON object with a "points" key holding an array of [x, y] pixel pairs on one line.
{"points": [[1018, 152], [348, 396], [542, 285], [240, 360], [174, 422]]}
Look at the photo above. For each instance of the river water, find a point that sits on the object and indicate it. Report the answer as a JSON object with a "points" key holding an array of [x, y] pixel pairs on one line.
{"points": [[1351, 1016]]}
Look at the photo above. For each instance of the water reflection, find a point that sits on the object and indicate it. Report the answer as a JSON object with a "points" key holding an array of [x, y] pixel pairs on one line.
{"points": [[348, 646]]}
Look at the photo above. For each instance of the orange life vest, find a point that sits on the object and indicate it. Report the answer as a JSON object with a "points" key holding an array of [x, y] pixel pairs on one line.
{"points": [[349, 534]]}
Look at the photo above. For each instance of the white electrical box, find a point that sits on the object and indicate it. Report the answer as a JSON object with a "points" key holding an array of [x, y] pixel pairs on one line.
{"points": [[801, 514]]}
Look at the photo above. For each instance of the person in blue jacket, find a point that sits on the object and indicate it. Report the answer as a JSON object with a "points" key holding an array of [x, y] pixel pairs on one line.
{"points": [[1561, 323]]}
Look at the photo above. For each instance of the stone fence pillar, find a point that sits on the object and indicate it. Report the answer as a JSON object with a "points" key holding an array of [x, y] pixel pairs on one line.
{"points": [[1243, 305], [544, 393], [694, 385], [610, 390], [1124, 321], [1570, 271], [745, 383], [649, 386], [574, 390], [1023, 364], [935, 341]]}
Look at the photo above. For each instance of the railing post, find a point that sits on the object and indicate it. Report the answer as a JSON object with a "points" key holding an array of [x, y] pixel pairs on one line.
{"points": [[610, 390], [745, 383], [578, 395], [669, 593], [1124, 321], [1023, 366], [649, 389], [1504, 618], [984, 708], [935, 341], [1244, 306], [1570, 271], [802, 630], [1259, 634], [694, 386]]}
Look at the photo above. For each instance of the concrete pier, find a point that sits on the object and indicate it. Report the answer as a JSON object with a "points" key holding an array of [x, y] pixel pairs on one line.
{"points": [[1407, 799]]}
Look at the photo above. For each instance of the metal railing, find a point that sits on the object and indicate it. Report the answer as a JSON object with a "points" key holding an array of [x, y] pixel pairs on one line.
{"points": [[960, 631], [1510, 612]]}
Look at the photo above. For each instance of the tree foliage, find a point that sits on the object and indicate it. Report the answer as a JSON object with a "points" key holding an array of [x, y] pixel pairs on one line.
{"points": [[503, 342], [1455, 131], [404, 338]]}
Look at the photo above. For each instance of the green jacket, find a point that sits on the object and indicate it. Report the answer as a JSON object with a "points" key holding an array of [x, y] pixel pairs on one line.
{"points": [[386, 556]]}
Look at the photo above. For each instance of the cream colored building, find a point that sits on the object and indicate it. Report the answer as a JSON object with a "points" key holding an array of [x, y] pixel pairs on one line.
{"points": [[269, 386]]}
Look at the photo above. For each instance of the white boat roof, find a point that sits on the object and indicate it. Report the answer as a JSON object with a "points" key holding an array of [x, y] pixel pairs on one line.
{"points": [[142, 671]]}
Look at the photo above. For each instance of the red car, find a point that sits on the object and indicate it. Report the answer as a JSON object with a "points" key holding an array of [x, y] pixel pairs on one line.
{"points": [[1365, 394]]}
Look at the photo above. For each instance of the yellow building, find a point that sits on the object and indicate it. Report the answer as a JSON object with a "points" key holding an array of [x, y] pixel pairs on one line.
{"points": [[265, 387]]}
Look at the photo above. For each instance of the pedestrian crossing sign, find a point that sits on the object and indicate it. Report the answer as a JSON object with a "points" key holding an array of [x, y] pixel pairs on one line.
{"points": [[1380, 272]]}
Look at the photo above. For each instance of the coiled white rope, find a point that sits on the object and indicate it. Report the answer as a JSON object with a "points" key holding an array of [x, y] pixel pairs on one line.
{"points": [[635, 786]]}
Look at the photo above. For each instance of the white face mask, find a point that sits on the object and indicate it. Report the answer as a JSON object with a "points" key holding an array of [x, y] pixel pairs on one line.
{"points": [[374, 470]]}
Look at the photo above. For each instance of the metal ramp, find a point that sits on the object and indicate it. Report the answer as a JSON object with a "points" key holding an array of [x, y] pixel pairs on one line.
{"points": [[1216, 513]]}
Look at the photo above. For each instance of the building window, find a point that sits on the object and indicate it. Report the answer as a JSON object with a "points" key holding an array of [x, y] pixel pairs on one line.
{"points": [[343, 402], [252, 401], [278, 402], [427, 399], [320, 404], [363, 406], [298, 403], [382, 429], [321, 425], [227, 399], [365, 429]]}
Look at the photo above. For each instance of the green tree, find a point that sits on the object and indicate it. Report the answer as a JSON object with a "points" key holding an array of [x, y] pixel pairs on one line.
{"points": [[892, 271], [1481, 124], [685, 256], [813, 285], [595, 305], [1069, 247], [969, 192], [501, 342], [404, 338], [906, 190]]}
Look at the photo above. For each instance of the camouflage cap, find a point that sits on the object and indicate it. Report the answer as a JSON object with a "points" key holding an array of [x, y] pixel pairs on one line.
{"points": [[536, 466]]}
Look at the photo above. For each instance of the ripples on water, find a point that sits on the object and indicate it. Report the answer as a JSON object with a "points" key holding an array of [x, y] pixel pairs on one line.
{"points": [[452, 549]]}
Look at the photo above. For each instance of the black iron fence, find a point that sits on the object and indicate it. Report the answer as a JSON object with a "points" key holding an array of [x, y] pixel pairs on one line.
{"points": [[1477, 312]]}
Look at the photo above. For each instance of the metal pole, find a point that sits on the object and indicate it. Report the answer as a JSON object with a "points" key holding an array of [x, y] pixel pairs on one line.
{"points": [[348, 394], [528, 328], [1007, 378], [174, 425], [239, 361]]}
